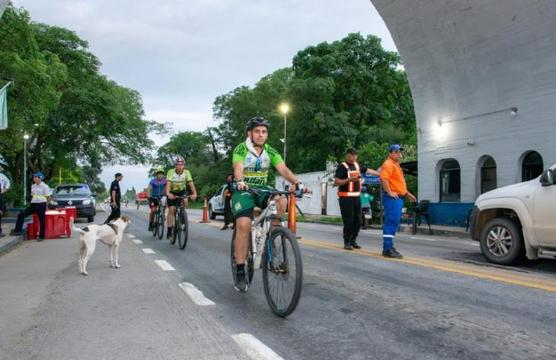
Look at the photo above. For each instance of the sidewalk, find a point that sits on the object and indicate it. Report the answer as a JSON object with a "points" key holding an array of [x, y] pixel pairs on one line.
{"points": [[437, 230], [8, 243]]}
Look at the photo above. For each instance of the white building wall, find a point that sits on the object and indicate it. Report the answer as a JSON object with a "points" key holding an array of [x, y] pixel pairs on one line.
{"points": [[466, 59], [313, 205]]}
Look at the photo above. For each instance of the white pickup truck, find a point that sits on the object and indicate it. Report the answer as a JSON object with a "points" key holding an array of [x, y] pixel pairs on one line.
{"points": [[517, 221]]}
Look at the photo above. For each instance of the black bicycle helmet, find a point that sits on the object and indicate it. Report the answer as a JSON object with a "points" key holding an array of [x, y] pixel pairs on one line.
{"points": [[256, 121]]}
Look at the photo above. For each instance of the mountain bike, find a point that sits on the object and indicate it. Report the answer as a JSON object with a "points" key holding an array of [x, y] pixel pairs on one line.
{"points": [[276, 251], [159, 219], [181, 224]]}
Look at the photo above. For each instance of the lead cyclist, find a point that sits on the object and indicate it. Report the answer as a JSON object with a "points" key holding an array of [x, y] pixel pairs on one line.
{"points": [[251, 160]]}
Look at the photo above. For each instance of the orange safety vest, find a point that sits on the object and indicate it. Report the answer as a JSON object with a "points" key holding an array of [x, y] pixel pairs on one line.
{"points": [[351, 185]]}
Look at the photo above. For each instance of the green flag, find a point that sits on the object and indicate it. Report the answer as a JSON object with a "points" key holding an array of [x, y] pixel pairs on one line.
{"points": [[4, 107]]}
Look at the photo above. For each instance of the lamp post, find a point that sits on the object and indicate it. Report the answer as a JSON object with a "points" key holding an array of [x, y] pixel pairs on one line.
{"points": [[284, 109], [25, 138]]}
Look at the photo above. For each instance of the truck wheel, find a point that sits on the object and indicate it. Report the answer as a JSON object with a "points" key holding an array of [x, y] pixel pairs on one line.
{"points": [[90, 218], [212, 215], [502, 242]]}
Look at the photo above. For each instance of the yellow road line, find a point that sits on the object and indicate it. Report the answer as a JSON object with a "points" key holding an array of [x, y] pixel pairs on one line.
{"points": [[493, 274]]}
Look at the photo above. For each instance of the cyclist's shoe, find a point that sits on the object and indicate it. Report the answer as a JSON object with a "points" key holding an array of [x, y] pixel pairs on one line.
{"points": [[169, 233], [392, 253], [356, 245], [242, 283]]}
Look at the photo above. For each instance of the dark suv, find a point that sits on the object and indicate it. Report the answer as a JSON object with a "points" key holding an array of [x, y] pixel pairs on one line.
{"points": [[78, 195]]}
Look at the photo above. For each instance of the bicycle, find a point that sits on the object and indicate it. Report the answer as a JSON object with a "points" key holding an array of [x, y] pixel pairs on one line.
{"points": [[159, 219], [181, 224], [276, 251]]}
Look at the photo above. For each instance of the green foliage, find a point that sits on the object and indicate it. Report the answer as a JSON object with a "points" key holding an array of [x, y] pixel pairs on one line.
{"points": [[75, 116]]}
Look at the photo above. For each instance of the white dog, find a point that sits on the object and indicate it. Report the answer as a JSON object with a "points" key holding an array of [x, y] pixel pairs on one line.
{"points": [[109, 234]]}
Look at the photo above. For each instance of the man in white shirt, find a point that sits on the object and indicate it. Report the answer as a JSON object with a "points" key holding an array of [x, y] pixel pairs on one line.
{"points": [[41, 194], [4, 186]]}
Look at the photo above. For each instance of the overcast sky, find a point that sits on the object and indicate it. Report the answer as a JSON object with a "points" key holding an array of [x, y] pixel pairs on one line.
{"points": [[181, 54]]}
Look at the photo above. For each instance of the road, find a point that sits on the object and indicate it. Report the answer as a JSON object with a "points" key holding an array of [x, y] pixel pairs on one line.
{"points": [[442, 301]]}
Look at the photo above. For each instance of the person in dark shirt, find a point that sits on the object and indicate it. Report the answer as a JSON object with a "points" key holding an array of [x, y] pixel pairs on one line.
{"points": [[227, 194], [348, 179], [115, 198]]}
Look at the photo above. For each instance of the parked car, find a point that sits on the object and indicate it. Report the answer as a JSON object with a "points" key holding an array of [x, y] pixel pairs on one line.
{"points": [[517, 221], [216, 203], [78, 195]]}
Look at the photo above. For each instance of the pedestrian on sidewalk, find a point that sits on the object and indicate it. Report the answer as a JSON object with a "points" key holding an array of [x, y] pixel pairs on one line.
{"points": [[394, 186], [115, 198], [4, 187], [40, 196], [349, 181], [366, 202], [227, 193]]}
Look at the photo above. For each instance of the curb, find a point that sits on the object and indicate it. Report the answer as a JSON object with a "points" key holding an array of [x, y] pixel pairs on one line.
{"points": [[10, 245], [424, 230]]}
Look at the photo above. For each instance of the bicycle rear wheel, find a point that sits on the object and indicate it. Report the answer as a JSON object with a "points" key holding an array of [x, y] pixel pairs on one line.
{"points": [[282, 271], [183, 229], [248, 263], [161, 220]]}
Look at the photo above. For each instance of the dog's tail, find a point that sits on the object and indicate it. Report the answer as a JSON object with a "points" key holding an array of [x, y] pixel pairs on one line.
{"points": [[81, 231]]}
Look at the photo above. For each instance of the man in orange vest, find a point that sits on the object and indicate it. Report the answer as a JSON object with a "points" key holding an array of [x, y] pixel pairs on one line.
{"points": [[394, 186], [349, 182]]}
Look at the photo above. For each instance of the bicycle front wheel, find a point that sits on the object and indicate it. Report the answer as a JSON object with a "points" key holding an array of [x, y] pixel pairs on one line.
{"points": [[175, 232], [282, 271], [161, 220], [183, 229], [154, 228]]}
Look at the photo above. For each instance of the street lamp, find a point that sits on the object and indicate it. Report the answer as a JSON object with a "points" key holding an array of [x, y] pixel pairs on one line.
{"points": [[25, 138], [284, 109]]}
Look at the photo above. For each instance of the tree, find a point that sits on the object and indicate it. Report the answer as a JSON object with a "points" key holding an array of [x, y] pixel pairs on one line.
{"points": [[75, 116]]}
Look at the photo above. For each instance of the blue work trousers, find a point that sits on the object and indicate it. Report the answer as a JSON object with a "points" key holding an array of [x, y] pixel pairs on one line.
{"points": [[392, 215]]}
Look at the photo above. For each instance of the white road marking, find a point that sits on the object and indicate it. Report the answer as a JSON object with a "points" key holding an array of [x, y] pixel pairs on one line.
{"points": [[195, 294], [131, 236], [163, 264], [148, 251], [254, 348], [138, 242], [421, 238]]}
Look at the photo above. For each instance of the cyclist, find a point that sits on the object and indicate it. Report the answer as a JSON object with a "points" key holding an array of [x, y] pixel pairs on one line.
{"points": [[252, 160], [156, 190], [177, 181]]}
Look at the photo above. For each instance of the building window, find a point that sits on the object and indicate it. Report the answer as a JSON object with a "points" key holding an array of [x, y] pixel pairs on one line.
{"points": [[532, 166], [488, 175], [450, 183]]}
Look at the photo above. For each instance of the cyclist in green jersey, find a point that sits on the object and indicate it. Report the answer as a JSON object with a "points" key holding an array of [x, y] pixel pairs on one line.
{"points": [[252, 159], [177, 181]]}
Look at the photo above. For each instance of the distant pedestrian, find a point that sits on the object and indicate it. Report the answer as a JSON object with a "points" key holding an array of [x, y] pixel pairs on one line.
{"points": [[4, 187], [115, 198], [366, 203], [394, 186], [349, 181], [227, 194], [40, 196]]}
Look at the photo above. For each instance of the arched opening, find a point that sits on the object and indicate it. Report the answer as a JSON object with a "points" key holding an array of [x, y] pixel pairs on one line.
{"points": [[531, 166], [450, 181], [487, 174]]}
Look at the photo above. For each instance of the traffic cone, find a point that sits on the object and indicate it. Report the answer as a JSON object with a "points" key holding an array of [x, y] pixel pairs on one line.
{"points": [[205, 212], [292, 214]]}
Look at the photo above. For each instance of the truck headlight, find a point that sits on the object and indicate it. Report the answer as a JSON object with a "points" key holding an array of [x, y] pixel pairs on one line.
{"points": [[86, 201], [53, 202]]}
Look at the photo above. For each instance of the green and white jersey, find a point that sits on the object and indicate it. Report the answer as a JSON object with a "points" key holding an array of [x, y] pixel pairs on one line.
{"points": [[255, 168], [178, 182]]}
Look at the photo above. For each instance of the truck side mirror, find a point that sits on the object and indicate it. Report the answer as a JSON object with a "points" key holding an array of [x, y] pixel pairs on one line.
{"points": [[547, 178]]}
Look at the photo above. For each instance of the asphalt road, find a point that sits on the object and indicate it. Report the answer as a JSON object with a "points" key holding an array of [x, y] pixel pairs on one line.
{"points": [[442, 301]]}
